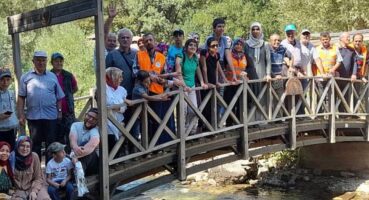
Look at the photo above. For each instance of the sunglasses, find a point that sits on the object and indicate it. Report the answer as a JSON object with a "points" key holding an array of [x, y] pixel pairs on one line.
{"points": [[214, 45], [255, 29]]}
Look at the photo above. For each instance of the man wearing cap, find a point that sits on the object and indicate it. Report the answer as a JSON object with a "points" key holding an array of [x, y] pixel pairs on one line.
{"points": [[84, 140], [294, 46], [40, 91], [8, 117], [307, 50], [173, 50], [69, 86]]}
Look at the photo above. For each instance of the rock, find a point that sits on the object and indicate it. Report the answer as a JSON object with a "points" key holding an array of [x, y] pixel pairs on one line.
{"points": [[306, 178], [292, 180], [185, 182], [253, 182], [212, 182], [347, 174], [262, 171], [317, 172]]}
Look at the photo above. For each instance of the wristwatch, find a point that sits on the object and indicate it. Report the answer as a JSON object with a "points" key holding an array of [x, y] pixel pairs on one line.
{"points": [[59, 109]]}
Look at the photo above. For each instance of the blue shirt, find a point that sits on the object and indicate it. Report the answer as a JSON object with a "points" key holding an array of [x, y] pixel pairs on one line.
{"points": [[42, 91], [138, 91], [7, 103], [83, 135], [171, 58], [277, 58]]}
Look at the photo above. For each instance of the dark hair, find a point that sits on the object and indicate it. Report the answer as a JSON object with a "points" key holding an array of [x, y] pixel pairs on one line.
{"points": [[325, 35], [360, 34], [148, 34], [188, 43], [209, 41], [217, 21], [142, 75], [94, 110]]}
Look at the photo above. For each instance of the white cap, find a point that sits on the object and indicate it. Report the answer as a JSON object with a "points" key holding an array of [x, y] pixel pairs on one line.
{"points": [[40, 54], [305, 31]]}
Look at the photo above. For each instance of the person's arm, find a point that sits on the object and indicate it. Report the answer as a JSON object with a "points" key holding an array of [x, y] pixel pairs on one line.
{"points": [[74, 85], [50, 181], [338, 62], [73, 141], [228, 56], [201, 80], [68, 178], [20, 110], [90, 146], [162, 97], [179, 67], [268, 62], [37, 178], [112, 12], [354, 70]]}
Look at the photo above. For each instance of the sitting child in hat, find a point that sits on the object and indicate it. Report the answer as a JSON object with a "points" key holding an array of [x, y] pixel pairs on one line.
{"points": [[58, 171]]}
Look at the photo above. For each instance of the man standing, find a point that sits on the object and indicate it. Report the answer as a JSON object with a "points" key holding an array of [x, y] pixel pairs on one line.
{"points": [[307, 51], [40, 91], [347, 54], [84, 141], [327, 56], [294, 46], [69, 86], [174, 50], [123, 59]]}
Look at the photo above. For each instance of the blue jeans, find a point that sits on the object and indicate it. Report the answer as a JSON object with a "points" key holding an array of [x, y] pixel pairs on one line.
{"points": [[54, 192]]}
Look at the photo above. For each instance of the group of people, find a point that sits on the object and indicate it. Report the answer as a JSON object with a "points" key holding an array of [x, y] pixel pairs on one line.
{"points": [[46, 103]]}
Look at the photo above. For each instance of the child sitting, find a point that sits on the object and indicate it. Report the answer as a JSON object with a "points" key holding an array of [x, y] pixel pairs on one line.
{"points": [[58, 171], [6, 174]]}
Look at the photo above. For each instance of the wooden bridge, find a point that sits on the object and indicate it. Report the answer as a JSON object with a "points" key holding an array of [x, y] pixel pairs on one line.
{"points": [[328, 110]]}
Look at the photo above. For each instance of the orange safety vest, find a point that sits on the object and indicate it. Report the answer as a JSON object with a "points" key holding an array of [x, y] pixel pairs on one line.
{"points": [[239, 66], [327, 56], [143, 60], [363, 68]]}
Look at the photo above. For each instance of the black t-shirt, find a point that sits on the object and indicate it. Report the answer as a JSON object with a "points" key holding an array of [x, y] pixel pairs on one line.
{"points": [[211, 64]]}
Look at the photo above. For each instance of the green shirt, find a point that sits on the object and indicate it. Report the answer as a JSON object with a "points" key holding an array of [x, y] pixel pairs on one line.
{"points": [[189, 67]]}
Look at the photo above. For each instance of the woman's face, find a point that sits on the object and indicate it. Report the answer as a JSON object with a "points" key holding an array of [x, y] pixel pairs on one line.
{"points": [[192, 48], [214, 46], [4, 153], [238, 47], [255, 31], [24, 148]]}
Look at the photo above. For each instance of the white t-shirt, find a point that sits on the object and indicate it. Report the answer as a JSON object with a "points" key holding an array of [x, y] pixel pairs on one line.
{"points": [[59, 171], [83, 135], [117, 96]]}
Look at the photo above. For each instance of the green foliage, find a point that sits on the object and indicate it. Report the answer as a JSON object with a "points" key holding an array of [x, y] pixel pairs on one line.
{"points": [[6, 49], [285, 158]]}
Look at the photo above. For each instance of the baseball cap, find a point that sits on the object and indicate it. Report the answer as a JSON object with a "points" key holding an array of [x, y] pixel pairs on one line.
{"points": [[40, 54], [305, 31], [56, 55], [55, 147], [5, 72], [290, 27], [178, 32]]}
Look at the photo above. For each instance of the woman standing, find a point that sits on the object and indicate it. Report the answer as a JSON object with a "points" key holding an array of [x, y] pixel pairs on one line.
{"points": [[258, 57], [28, 178], [187, 64]]}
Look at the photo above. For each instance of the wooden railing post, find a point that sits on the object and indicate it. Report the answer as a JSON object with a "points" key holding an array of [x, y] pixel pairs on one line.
{"points": [[145, 125], [367, 113], [244, 133], [332, 118], [214, 108], [181, 162], [293, 129]]}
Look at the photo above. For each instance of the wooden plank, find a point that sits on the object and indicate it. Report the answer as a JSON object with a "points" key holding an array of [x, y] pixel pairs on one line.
{"points": [[231, 106], [144, 126], [292, 124], [214, 109], [332, 117], [341, 98], [309, 142], [323, 95], [267, 149], [366, 133], [267, 133], [151, 112], [244, 133], [360, 98], [204, 134], [16, 60], [199, 114], [52, 15], [116, 147], [101, 102], [257, 103], [350, 139], [181, 160], [144, 187]]}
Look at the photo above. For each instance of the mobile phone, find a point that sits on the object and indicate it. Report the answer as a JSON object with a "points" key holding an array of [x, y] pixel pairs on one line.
{"points": [[8, 112]]}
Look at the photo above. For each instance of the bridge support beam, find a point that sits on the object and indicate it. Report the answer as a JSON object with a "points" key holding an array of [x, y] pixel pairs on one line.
{"points": [[181, 162], [244, 133], [366, 99], [293, 131], [332, 118]]}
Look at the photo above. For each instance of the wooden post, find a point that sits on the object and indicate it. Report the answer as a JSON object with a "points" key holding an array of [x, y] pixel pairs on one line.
{"points": [[101, 102], [16, 59], [181, 170], [145, 126], [332, 119], [214, 109], [244, 135], [367, 111], [293, 130]]}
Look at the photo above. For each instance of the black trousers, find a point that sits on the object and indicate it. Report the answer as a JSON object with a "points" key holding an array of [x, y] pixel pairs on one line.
{"points": [[90, 164], [42, 130]]}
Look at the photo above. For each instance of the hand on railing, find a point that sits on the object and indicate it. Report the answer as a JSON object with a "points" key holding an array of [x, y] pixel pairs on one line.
{"points": [[204, 86], [353, 77], [268, 78], [364, 79], [165, 97]]}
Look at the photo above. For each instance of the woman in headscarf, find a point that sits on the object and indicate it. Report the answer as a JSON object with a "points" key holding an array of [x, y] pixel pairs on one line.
{"points": [[28, 178], [258, 57], [6, 174], [239, 62]]}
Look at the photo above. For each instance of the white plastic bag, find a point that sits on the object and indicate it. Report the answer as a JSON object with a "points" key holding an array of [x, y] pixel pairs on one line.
{"points": [[79, 175]]}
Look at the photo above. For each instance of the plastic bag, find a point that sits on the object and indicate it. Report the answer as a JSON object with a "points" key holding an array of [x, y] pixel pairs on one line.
{"points": [[79, 175]]}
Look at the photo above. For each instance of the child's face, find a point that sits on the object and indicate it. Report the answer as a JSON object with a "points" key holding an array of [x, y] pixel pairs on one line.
{"points": [[59, 155], [146, 82], [5, 82], [4, 153]]}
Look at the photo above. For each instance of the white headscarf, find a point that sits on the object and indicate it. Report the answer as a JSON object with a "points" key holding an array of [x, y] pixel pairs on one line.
{"points": [[256, 43]]}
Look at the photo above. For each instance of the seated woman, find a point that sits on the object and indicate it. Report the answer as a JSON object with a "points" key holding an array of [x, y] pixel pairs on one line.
{"points": [[28, 178], [6, 174]]}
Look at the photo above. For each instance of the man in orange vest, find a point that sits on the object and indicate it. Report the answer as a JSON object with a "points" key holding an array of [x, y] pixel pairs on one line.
{"points": [[153, 62], [327, 56], [361, 58]]}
